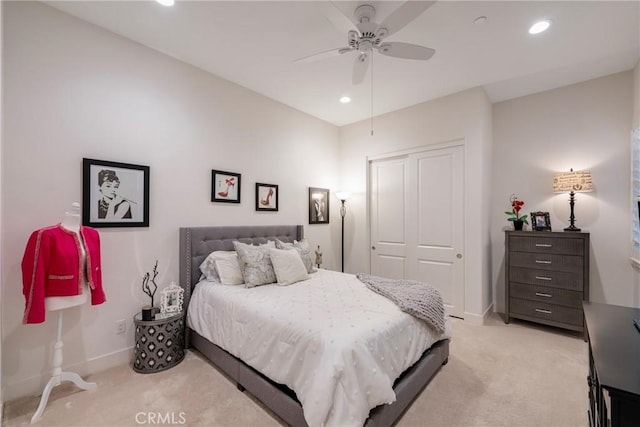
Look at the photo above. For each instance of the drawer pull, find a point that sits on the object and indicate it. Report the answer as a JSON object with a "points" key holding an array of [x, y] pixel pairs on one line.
{"points": [[540, 294], [542, 262], [540, 310], [543, 278], [543, 245]]}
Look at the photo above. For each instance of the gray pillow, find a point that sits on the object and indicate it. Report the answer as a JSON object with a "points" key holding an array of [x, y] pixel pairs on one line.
{"points": [[303, 249], [255, 264]]}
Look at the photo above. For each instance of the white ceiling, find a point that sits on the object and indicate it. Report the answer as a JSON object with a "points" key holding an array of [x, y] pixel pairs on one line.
{"points": [[255, 43]]}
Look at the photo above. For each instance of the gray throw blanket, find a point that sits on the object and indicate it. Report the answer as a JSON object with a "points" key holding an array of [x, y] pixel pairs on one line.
{"points": [[416, 298]]}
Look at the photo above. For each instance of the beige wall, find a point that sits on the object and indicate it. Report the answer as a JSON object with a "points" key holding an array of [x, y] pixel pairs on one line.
{"points": [[466, 116], [78, 91], [582, 126]]}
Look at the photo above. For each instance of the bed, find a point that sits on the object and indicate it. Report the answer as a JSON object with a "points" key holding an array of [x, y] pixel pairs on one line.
{"points": [[196, 243]]}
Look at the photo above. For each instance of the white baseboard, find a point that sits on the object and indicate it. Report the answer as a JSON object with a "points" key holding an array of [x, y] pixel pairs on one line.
{"points": [[34, 386], [478, 319]]}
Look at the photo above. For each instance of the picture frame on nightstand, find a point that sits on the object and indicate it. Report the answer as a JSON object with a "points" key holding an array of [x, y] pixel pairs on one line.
{"points": [[171, 299]]}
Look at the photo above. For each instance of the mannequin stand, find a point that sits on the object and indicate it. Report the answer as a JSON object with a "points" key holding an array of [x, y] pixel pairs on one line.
{"points": [[58, 376]]}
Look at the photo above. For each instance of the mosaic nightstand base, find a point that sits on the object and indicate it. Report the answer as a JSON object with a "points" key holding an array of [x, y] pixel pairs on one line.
{"points": [[159, 343]]}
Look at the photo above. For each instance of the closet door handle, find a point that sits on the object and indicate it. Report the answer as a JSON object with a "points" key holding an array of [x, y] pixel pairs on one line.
{"points": [[538, 261], [540, 310], [540, 294]]}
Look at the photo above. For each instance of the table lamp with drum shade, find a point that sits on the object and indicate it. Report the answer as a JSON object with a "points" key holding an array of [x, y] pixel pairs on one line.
{"points": [[572, 182]]}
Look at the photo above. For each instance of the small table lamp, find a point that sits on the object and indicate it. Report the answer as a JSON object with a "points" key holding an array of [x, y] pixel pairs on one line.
{"points": [[572, 182], [342, 196]]}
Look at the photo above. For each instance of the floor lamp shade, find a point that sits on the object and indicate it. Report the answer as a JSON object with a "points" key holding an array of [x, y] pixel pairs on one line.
{"points": [[572, 182]]}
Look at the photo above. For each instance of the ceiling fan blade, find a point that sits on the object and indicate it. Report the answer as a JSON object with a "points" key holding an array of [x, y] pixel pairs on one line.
{"points": [[402, 16], [335, 16], [324, 54], [406, 50], [360, 68]]}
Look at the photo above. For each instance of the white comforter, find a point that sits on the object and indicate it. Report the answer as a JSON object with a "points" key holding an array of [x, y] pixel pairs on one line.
{"points": [[338, 345]]}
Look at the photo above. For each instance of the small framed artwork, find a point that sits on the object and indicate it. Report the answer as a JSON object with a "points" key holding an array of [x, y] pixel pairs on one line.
{"points": [[171, 299], [225, 187], [318, 205], [114, 194], [540, 221], [266, 197]]}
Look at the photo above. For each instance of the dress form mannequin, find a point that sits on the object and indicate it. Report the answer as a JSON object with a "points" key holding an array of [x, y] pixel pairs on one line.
{"points": [[71, 223]]}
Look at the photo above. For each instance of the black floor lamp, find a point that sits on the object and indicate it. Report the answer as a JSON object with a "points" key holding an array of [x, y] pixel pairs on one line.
{"points": [[342, 196]]}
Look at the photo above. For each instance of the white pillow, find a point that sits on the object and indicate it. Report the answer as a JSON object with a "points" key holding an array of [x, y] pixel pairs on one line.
{"points": [[288, 266], [208, 266], [228, 269]]}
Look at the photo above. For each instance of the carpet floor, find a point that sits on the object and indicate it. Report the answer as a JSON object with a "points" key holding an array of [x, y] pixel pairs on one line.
{"points": [[520, 374]]}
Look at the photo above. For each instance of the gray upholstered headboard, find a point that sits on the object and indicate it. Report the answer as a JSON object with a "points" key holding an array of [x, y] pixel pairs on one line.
{"points": [[196, 243]]}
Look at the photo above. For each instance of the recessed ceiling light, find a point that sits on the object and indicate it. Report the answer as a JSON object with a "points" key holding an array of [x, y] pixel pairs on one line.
{"points": [[345, 100], [166, 2], [540, 26]]}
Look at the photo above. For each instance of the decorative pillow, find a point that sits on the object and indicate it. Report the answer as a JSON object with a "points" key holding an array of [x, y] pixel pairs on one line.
{"points": [[228, 269], [208, 266], [305, 253], [283, 245], [269, 244], [255, 264], [288, 266]]}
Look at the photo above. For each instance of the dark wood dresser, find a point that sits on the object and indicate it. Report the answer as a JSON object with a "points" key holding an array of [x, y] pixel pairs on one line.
{"points": [[614, 365], [547, 277]]}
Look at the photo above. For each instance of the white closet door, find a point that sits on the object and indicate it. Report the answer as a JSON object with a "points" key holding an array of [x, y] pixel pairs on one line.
{"points": [[417, 220], [438, 237], [388, 217]]}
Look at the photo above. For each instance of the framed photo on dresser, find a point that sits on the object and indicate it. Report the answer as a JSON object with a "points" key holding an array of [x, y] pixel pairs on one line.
{"points": [[114, 194], [540, 221]]}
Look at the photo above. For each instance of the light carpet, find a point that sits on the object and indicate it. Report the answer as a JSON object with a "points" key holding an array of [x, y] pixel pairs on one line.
{"points": [[520, 374]]}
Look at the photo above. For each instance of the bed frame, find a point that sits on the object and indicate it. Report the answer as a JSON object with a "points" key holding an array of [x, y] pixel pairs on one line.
{"points": [[196, 243]]}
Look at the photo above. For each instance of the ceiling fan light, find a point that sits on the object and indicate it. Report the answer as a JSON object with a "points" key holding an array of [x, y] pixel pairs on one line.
{"points": [[540, 26], [166, 2], [345, 99]]}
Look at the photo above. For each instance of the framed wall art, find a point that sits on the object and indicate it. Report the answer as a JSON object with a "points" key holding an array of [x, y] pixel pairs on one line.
{"points": [[318, 205], [540, 221], [225, 187], [266, 197], [114, 194]]}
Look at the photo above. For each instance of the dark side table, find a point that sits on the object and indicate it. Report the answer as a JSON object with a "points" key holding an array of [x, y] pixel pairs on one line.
{"points": [[159, 342]]}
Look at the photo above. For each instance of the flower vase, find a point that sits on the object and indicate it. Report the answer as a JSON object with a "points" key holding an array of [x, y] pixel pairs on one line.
{"points": [[517, 225]]}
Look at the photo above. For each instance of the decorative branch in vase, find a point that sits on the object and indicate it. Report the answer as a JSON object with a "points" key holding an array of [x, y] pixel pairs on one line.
{"points": [[514, 214], [150, 287]]}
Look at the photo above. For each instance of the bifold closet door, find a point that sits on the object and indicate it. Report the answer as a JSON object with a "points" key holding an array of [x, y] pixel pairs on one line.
{"points": [[417, 220]]}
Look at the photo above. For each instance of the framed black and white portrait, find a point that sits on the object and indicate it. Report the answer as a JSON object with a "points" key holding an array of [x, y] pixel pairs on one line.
{"points": [[114, 194], [225, 186], [540, 221], [318, 205]]}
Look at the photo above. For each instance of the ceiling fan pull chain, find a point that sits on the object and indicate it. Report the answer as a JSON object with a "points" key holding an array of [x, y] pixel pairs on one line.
{"points": [[371, 93]]}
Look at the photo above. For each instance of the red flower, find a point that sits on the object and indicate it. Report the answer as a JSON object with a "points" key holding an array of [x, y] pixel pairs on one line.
{"points": [[516, 205]]}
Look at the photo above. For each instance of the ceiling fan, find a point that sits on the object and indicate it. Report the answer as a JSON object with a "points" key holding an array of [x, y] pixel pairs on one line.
{"points": [[364, 35]]}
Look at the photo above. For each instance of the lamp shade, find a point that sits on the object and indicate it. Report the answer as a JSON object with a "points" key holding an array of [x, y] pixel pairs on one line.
{"points": [[341, 195], [577, 181]]}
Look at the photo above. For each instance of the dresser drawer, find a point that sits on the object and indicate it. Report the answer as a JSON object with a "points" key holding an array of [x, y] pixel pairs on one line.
{"points": [[540, 243], [540, 310], [567, 263], [546, 295], [556, 279]]}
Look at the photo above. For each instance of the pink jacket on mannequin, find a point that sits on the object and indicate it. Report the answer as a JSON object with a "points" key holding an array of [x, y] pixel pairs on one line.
{"points": [[52, 267]]}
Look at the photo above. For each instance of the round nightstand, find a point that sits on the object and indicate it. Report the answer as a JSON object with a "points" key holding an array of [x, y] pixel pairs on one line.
{"points": [[159, 342]]}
